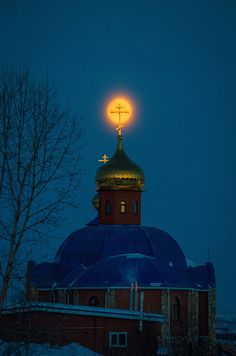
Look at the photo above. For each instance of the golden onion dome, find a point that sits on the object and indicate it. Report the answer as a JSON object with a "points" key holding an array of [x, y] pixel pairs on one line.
{"points": [[120, 172]]}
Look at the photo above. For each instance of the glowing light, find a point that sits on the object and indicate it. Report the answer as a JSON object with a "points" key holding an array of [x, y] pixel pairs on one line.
{"points": [[119, 111]]}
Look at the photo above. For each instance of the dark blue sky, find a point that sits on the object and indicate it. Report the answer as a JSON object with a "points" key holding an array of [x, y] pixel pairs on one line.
{"points": [[177, 59]]}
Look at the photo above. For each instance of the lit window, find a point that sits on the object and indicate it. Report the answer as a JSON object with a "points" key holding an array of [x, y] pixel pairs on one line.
{"points": [[135, 208], [176, 315], [123, 207], [108, 207], [118, 339]]}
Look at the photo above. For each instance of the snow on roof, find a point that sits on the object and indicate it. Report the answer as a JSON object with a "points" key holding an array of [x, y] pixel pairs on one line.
{"points": [[84, 310], [191, 263], [45, 349]]}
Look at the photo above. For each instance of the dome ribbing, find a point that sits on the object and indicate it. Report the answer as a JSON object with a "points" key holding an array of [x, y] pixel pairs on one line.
{"points": [[120, 172]]}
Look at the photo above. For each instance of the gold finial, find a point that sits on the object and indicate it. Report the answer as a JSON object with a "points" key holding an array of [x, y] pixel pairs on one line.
{"points": [[104, 159], [120, 109]]}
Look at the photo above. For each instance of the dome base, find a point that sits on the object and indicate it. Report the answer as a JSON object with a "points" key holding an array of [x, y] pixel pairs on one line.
{"points": [[120, 207]]}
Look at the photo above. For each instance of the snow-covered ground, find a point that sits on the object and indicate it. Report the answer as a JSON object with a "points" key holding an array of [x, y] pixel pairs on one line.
{"points": [[21, 349]]}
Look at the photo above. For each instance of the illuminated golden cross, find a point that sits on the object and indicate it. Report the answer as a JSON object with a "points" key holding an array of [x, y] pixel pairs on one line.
{"points": [[104, 158], [120, 110]]}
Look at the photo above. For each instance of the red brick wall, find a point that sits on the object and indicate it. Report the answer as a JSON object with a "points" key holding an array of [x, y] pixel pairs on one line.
{"points": [[45, 296], [122, 298], [84, 296], [179, 327], [203, 313], [152, 301], [91, 332], [115, 197], [152, 304]]}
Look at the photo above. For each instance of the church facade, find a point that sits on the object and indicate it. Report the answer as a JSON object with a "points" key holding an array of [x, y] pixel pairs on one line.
{"points": [[118, 287]]}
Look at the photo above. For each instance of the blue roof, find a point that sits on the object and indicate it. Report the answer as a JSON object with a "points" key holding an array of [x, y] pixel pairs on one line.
{"points": [[102, 255], [122, 270], [45, 274], [93, 243]]}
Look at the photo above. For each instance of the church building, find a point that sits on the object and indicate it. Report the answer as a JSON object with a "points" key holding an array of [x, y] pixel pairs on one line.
{"points": [[118, 287]]}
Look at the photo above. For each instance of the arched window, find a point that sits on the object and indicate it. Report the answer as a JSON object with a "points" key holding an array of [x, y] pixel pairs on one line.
{"points": [[176, 310], [123, 207], [108, 207], [135, 208]]}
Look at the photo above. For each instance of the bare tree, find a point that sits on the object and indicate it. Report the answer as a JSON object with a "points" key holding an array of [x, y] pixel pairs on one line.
{"points": [[40, 148]]}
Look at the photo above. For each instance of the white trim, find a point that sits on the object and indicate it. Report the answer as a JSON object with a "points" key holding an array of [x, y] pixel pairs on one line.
{"points": [[84, 310], [127, 287], [117, 334]]}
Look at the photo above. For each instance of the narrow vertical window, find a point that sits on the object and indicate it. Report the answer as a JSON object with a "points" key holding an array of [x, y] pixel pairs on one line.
{"points": [[108, 207], [176, 310], [135, 208], [123, 207], [70, 297]]}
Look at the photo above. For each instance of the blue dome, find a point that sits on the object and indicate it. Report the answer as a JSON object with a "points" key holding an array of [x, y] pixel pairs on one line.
{"points": [[122, 270], [103, 256], [97, 242]]}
